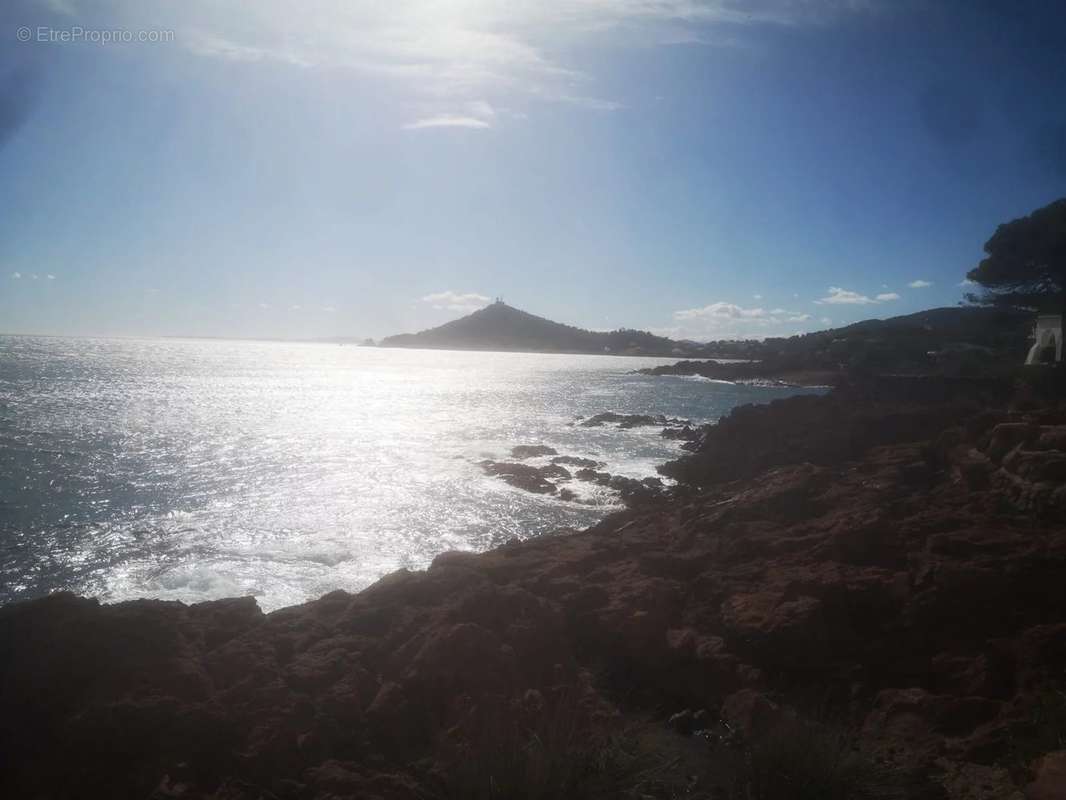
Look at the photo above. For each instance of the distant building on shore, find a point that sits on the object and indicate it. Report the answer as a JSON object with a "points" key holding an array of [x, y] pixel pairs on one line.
{"points": [[1047, 347]]}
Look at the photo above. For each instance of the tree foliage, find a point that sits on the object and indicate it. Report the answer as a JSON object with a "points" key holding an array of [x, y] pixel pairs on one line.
{"points": [[1025, 262]]}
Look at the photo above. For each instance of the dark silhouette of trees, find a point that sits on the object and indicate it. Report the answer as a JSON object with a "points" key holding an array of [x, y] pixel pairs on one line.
{"points": [[1025, 266]]}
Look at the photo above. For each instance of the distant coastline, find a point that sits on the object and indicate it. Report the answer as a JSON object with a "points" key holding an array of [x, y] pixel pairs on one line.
{"points": [[500, 327]]}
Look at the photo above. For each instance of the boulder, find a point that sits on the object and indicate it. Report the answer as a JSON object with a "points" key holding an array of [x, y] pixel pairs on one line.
{"points": [[521, 476], [523, 451], [592, 476], [575, 461]]}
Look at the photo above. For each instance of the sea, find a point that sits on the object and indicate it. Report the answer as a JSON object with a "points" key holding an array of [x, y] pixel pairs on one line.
{"points": [[188, 469]]}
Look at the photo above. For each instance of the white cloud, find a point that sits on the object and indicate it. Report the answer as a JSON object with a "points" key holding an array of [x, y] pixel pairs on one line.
{"points": [[329, 309], [50, 276], [16, 275], [967, 282], [886, 296], [757, 296], [264, 306], [838, 296], [826, 320], [720, 311], [477, 114], [731, 321], [456, 301], [919, 284], [446, 121]]}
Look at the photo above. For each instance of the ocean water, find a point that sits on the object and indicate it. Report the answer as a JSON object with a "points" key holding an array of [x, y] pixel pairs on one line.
{"points": [[192, 469]]}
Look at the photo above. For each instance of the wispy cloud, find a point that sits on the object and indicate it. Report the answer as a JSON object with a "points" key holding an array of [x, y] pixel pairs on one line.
{"points": [[446, 121], [16, 275], [476, 114], [967, 282], [886, 296], [448, 53], [208, 44], [456, 301], [844, 297], [919, 284]]}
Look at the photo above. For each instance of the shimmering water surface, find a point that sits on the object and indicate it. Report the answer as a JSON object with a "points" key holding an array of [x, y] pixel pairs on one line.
{"points": [[189, 469]]}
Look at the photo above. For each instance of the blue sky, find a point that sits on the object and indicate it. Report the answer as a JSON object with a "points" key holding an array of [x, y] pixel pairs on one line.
{"points": [[701, 169]]}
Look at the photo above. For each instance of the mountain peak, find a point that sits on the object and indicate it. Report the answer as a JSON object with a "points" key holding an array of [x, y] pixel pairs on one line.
{"points": [[499, 326]]}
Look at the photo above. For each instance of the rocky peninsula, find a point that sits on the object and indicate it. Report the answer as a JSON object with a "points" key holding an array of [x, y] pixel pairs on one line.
{"points": [[754, 372], [856, 595]]}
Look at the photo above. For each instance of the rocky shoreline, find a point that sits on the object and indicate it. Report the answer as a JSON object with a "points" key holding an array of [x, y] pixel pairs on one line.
{"points": [[558, 475], [861, 591], [756, 372]]}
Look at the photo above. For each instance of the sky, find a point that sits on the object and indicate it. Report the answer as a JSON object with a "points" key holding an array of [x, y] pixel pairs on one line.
{"points": [[703, 170]]}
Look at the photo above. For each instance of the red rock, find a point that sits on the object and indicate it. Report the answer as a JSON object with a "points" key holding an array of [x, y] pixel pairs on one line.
{"points": [[1050, 780]]}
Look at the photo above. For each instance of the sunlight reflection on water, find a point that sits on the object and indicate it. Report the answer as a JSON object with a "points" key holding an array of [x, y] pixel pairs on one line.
{"points": [[188, 469]]}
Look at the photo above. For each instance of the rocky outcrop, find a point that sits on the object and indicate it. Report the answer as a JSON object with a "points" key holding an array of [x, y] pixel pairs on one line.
{"points": [[626, 421], [832, 428], [551, 479], [577, 461], [895, 579], [532, 451], [524, 476], [777, 372]]}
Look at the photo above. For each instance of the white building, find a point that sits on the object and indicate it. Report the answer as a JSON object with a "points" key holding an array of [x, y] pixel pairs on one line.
{"points": [[1048, 336]]}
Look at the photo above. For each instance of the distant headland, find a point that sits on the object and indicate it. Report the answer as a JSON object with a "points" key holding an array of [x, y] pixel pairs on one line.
{"points": [[938, 340], [502, 327]]}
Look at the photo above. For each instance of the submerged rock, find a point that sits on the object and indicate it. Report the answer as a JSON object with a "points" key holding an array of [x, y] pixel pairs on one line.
{"points": [[673, 428], [555, 471], [574, 461], [521, 476], [622, 420], [523, 451], [592, 476], [685, 433]]}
